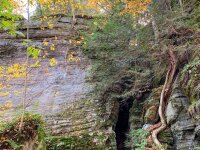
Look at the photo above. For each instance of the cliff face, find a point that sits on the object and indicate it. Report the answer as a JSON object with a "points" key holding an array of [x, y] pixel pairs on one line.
{"points": [[182, 126], [130, 78], [59, 93], [129, 100]]}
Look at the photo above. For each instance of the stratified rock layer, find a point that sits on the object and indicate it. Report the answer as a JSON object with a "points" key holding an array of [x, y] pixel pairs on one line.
{"points": [[57, 92], [182, 125]]}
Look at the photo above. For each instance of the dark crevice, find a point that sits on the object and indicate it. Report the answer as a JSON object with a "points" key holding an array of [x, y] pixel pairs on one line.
{"points": [[122, 126]]}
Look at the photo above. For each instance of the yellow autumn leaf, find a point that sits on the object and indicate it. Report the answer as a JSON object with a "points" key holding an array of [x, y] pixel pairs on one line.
{"points": [[8, 104], [1, 69], [53, 62], [72, 57], [4, 94], [2, 86], [36, 64], [17, 92], [52, 48], [15, 71], [45, 43], [50, 25]]}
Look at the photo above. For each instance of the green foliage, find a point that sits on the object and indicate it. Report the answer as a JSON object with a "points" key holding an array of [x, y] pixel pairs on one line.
{"points": [[192, 67], [84, 141], [31, 118], [13, 144], [33, 127], [7, 18], [197, 148], [33, 51], [108, 34], [192, 87], [194, 101], [144, 37], [193, 19], [137, 139], [107, 43], [10, 137], [41, 137], [111, 44]]}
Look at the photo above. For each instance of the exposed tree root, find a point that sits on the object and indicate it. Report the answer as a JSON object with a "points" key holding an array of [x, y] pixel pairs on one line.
{"points": [[149, 138], [166, 91], [151, 128]]}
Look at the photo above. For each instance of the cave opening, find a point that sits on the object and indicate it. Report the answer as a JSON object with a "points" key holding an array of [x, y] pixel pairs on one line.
{"points": [[122, 126]]}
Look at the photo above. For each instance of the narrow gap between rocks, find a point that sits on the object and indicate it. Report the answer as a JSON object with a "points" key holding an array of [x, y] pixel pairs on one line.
{"points": [[122, 126]]}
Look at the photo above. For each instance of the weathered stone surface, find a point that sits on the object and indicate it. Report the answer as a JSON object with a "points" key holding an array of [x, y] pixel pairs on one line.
{"points": [[59, 93], [8, 48], [151, 114], [177, 103], [136, 119], [182, 126], [151, 105]]}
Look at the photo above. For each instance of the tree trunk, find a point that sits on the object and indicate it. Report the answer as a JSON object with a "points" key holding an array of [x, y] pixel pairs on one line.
{"points": [[164, 97], [155, 30], [26, 71]]}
